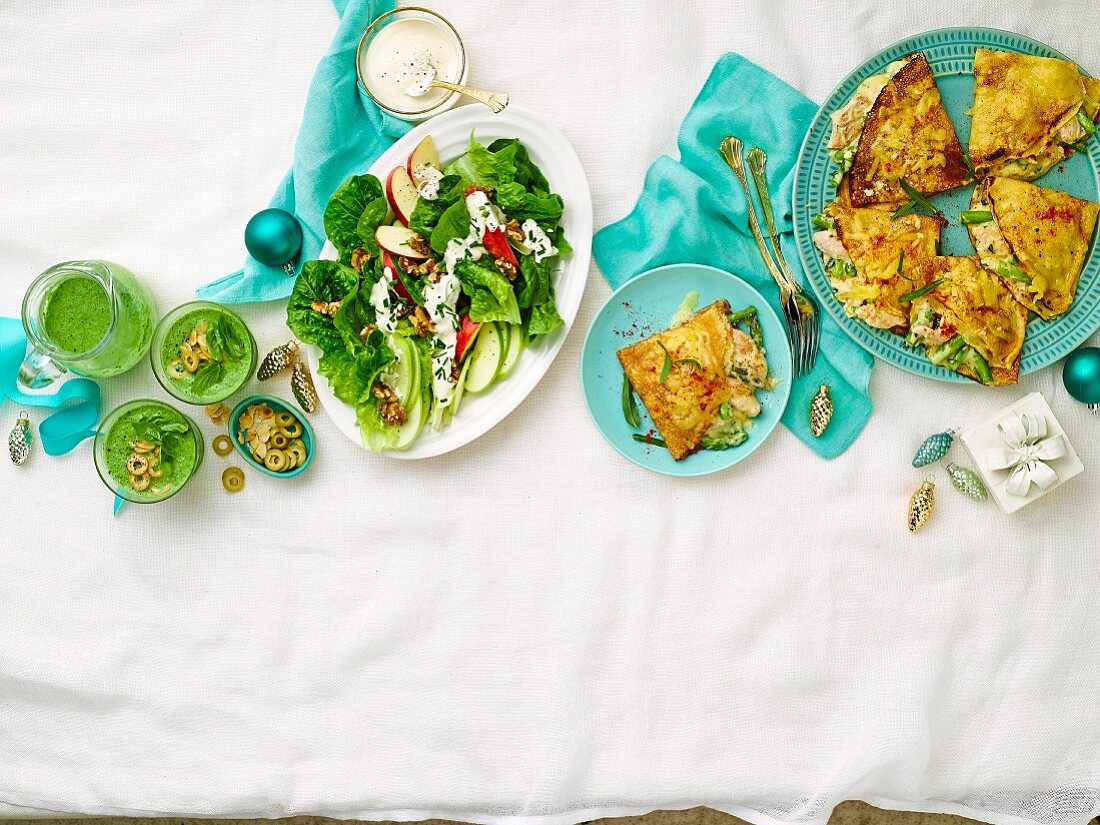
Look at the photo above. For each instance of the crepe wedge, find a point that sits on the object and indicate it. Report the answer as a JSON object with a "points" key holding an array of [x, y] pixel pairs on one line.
{"points": [[1029, 113], [895, 127], [1036, 239], [967, 320], [697, 379], [871, 260]]}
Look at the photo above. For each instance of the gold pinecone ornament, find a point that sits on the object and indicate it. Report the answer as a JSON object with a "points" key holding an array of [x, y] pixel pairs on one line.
{"points": [[821, 411], [301, 383], [277, 360], [921, 504]]}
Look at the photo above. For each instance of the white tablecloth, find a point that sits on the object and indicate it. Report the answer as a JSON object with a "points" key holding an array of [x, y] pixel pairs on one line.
{"points": [[531, 628]]}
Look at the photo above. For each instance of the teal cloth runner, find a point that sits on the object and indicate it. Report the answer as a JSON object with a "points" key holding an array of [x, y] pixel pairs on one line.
{"points": [[342, 133], [693, 211], [67, 427]]}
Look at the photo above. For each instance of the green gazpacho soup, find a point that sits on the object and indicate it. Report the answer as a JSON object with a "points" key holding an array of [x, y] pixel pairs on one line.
{"points": [[150, 450], [77, 314], [207, 354]]}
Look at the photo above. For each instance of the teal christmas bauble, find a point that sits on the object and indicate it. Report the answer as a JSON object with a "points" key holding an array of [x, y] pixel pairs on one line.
{"points": [[1081, 375], [273, 237]]}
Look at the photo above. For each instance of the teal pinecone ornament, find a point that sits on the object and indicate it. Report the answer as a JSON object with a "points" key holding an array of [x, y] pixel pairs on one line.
{"points": [[934, 448], [967, 482]]}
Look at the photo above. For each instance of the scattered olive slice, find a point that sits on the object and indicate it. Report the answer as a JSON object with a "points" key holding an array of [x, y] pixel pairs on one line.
{"points": [[233, 479], [285, 419], [139, 483], [293, 430], [275, 460], [279, 440], [138, 465], [176, 369], [223, 445]]}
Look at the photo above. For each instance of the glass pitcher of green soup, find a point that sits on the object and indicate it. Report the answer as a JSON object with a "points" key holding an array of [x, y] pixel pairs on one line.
{"points": [[91, 318]]}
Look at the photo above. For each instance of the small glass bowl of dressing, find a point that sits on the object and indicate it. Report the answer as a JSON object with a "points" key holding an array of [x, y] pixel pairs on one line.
{"points": [[397, 49]]}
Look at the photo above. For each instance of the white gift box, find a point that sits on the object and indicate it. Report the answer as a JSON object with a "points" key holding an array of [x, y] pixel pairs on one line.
{"points": [[986, 440]]}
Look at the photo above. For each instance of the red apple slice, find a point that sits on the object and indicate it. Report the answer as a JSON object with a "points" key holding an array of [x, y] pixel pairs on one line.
{"points": [[467, 332], [398, 287], [402, 194], [425, 154], [395, 240]]}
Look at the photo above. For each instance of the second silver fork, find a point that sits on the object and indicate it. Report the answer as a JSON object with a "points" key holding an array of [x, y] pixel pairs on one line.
{"points": [[799, 310]]}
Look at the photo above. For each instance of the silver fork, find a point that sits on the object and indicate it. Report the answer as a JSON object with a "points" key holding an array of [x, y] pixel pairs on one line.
{"points": [[809, 316], [799, 310], [731, 150]]}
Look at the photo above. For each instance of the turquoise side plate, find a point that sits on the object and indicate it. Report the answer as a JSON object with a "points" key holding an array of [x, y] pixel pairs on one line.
{"points": [[278, 405], [950, 54], [644, 305]]}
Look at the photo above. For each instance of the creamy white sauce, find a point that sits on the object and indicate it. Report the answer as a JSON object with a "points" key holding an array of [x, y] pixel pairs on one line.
{"points": [[537, 241], [400, 55], [483, 216], [429, 178], [382, 302], [439, 302]]}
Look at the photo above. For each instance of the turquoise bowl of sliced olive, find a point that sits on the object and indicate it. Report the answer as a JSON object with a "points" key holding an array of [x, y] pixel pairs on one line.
{"points": [[272, 435]]}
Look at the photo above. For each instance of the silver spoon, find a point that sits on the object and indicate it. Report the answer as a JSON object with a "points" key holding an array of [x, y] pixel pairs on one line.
{"points": [[496, 101]]}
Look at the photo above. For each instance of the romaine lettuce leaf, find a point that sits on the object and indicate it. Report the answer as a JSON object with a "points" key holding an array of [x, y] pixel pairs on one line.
{"points": [[520, 204], [543, 319], [353, 368], [454, 223], [484, 167], [346, 209], [326, 282], [427, 213], [527, 174], [492, 297]]}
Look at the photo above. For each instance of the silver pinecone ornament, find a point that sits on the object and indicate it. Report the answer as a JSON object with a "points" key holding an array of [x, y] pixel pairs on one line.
{"points": [[301, 382], [19, 440], [821, 411], [277, 360]]}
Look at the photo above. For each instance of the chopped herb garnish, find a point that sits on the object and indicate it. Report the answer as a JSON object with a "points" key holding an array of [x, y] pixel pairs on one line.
{"points": [[821, 222], [901, 262], [630, 406], [969, 165], [649, 439], [917, 196], [667, 364], [690, 362], [905, 209], [917, 293]]}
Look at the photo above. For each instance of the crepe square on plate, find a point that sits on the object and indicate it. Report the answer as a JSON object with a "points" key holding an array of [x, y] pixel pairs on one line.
{"points": [[967, 320], [896, 127], [871, 260], [1037, 240], [1029, 113], [690, 373]]}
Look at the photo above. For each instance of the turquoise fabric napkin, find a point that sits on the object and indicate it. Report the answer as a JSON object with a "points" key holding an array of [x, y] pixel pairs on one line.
{"points": [[343, 132], [693, 211]]}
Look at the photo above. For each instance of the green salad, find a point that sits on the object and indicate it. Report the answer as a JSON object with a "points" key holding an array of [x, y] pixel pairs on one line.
{"points": [[445, 275]]}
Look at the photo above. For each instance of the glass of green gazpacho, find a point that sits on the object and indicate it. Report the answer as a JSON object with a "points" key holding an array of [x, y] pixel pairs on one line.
{"points": [[94, 318], [146, 451], [202, 352]]}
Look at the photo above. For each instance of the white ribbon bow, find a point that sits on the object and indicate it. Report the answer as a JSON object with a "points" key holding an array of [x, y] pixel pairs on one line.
{"points": [[1027, 450]]}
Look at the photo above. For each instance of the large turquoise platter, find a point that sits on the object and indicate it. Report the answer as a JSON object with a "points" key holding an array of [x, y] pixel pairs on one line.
{"points": [[950, 53]]}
